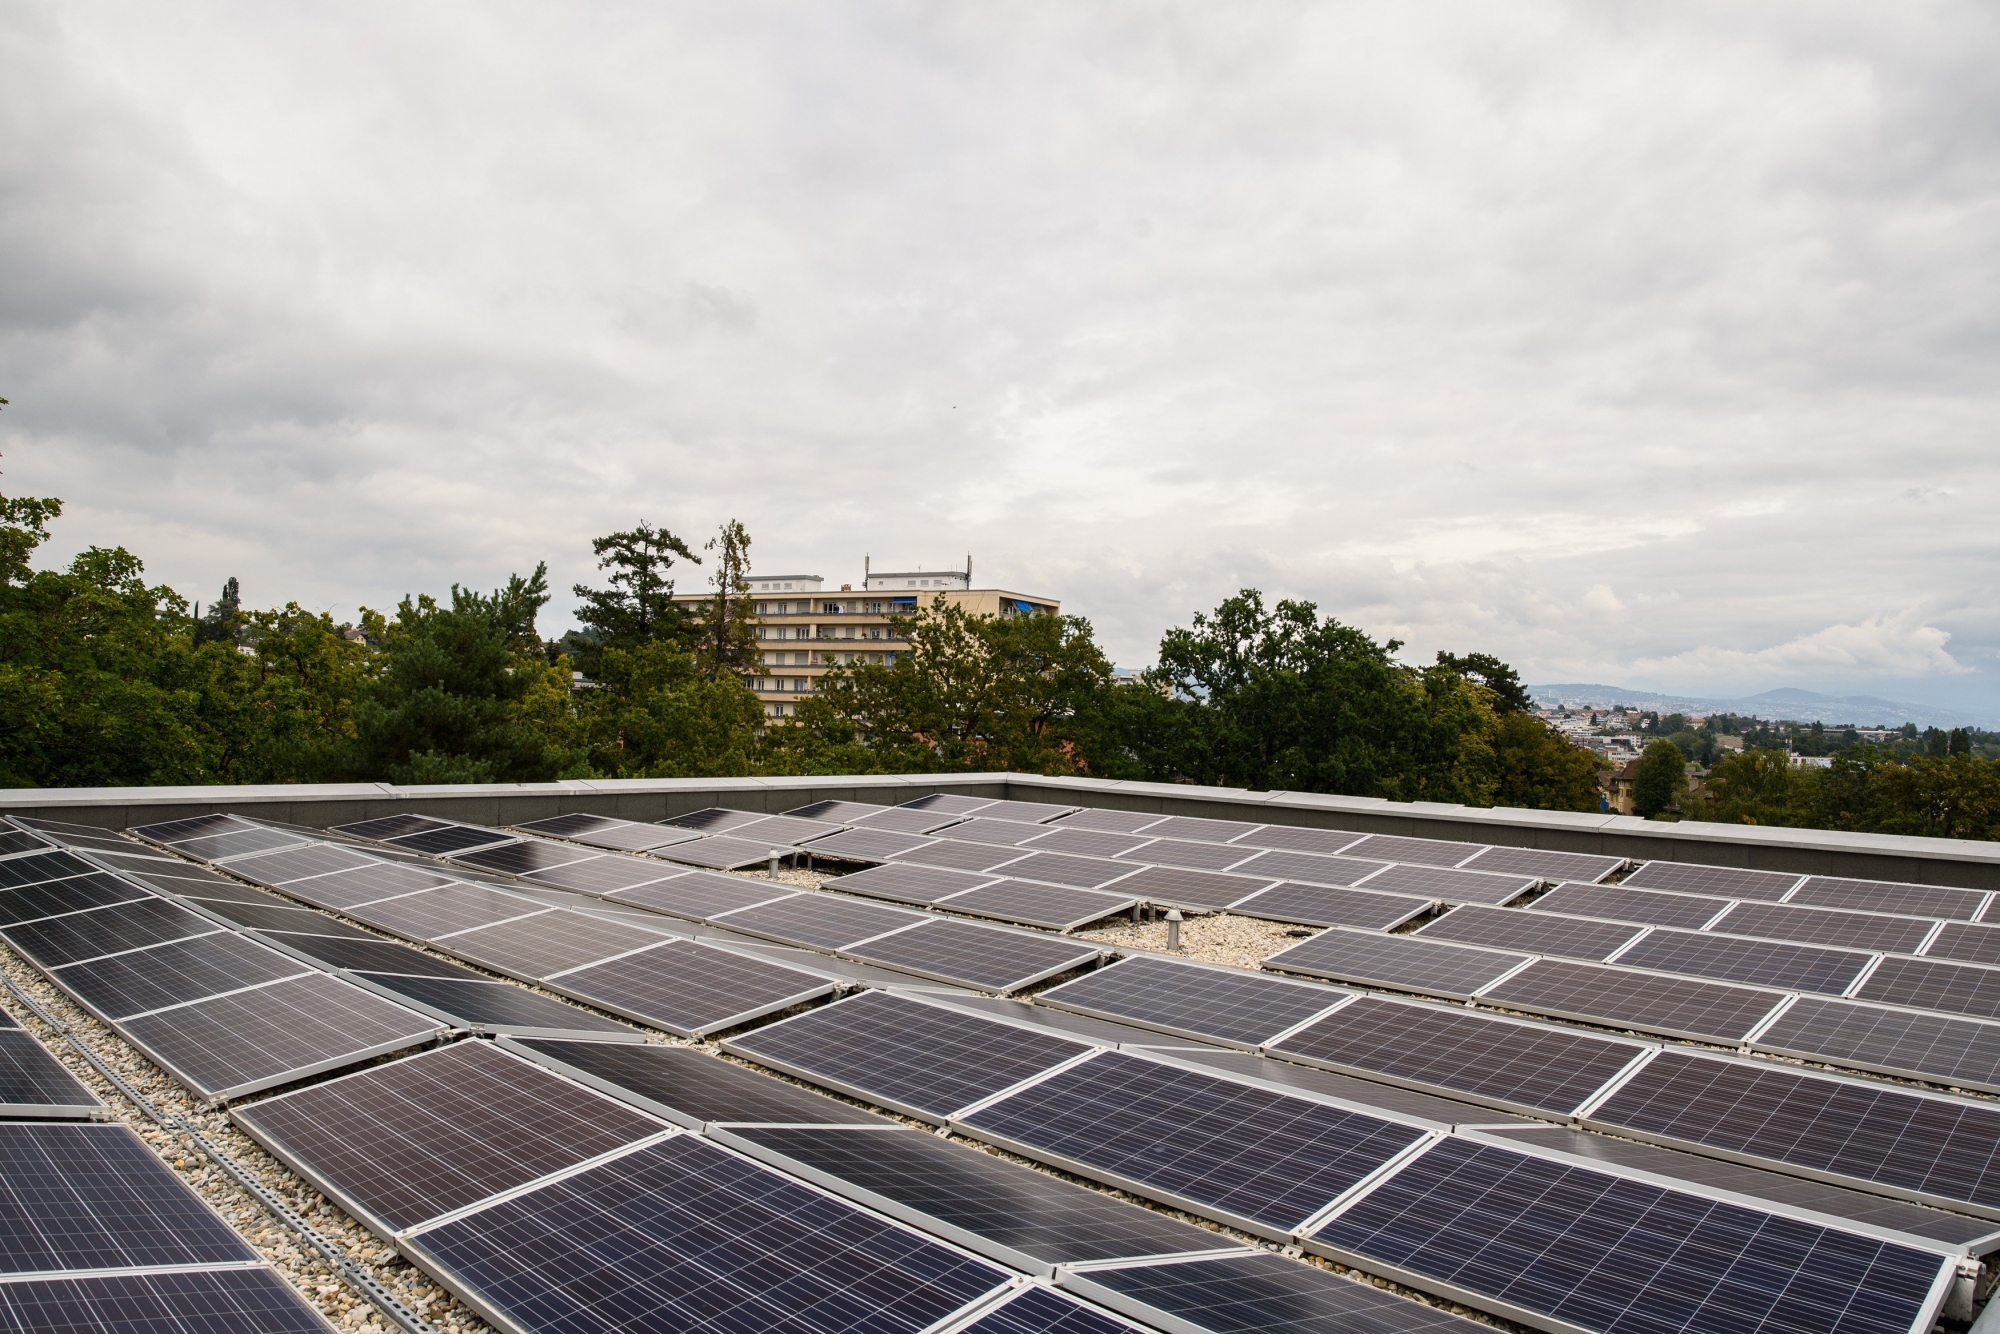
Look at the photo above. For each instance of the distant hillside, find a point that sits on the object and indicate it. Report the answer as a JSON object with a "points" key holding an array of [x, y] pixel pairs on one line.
{"points": [[1799, 705]]}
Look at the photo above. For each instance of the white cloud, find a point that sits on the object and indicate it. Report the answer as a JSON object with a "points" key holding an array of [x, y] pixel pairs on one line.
{"points": [[1882, 646], [1450, 317]]}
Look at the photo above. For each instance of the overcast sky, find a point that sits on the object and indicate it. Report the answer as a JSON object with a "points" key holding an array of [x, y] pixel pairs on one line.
{"points": [[1653, 345]]}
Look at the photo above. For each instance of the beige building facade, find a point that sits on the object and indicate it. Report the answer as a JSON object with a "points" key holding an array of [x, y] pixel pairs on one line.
{"points": [[805, 628]]}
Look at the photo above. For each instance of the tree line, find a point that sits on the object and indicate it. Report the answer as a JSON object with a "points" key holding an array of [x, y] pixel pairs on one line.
{"points": [[107, 680]]}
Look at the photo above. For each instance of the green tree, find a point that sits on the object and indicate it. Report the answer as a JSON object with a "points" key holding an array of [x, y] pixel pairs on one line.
{"points": [[1761, 787], [1660, 783], [1280, 699], [1539, 769], [1509, 695], [454, 688], [980, 693], [638, 608], [725, 632], [224, 622], [652, 713]]}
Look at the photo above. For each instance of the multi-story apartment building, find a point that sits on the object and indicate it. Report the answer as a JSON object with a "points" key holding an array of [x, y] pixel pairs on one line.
{"points": [[804, 628]]}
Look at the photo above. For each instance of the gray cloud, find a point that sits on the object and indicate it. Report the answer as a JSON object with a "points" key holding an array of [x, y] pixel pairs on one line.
{"points": [[1642, 345]]}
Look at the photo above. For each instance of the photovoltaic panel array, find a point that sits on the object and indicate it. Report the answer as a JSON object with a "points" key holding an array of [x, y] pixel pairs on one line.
{"points": [[1890, 896], [1651, 1002], [1450, 885], [950, 803], [1201, 890], [1826, 926], [1535, 1067], [1967, 942], [633, 1243], [1729, 882], [1622, 903], [1086, 842], [1116, 822], [1003, 1210], [1038, 1310], [688, 1086], [1935, 984], [826, 921], [1212, 1004], [689, 990], [954, 856], [924, 1060], [1418, 851], [898, 820], [1265, 1161], [1942, 1048], [1055, 907], [1767, 963], [1003, 833], [1547, 1241], [96, 1234], [1259, 1291], [1308, 868], [34, 1084], [1325, 905], [842, 812], [1402, 962], [1544, 864], [1542, 933], [871, 845], [987, 957], [1942, 1150], [417, 1138], [1189, 854]]}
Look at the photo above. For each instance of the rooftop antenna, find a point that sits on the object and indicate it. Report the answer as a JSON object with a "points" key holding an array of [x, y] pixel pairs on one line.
{"points": [[968, 569]]}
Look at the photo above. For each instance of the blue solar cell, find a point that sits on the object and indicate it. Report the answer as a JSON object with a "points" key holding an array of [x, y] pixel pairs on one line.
{"points": [[681, 1235]]}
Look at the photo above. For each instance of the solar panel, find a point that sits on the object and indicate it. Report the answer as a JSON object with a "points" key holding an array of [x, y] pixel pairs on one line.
{"points": [[690, 990], [1193, 856], [1545, 865], [1452, 886], [1263, 1160], [634, 1243], [898, 820], [1416, 851], [1768, 963], [1967, 942], [1621, 903], [34, 1083], [868, 845], [1206, 891], [76, 894], [278, 917], [194, 882], [1195, 1000], [278, 868], [904, 883], [173, 974], [825, 920], [1888, 896], [1396, 961], [492, 1007], [1940, 1149], [631, 836], [1293, 838], [1655, 1003], [1826, 926], [688, 1086], [1540, 933], [1259, 1293], [1947, 1050], [606, 875], [1935, 984], [94, 1197], [839, 812], [236, 844], [923, 1060], [950, 803], [1730, 882], [18, 840], [41, 866], [416, 1138], [1308, 868], [1055, 907], [194, 826], [547, 943], [569, 826], [1058, 868], [1326, 905], [959, 856], [1112, 822], [345, 889], [1209, 831], [1085, 842], [1538, 1067], [170, 1302], [1038, 1310], [784, 829], [231, 1045], [436, 912], [1544, 1240], [390, 826], [988, 957], [55, 941], [1003, 1210], [451, 838], [1003, 833], [702, 895], [1035, 812], [371, 954], [524, 857], [712, 820], [1370, 1093]]}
